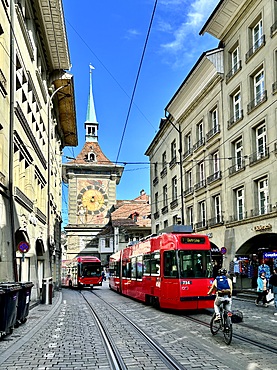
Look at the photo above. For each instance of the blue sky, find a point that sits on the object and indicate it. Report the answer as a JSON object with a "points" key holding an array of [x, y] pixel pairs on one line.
{"points": [[111, 36]]}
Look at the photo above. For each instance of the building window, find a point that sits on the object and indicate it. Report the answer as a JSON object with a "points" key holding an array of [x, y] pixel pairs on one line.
{"points": [[217, 209], [165, 200], [189, 179], [261, 141], [155, 169], [165, 224], [174, 188], [201, 172], [202, 210], [237, 106], [190, 216], [157, 228], [91, 157], [259, 86], [173, 150], [257, 33], [199, 136], [235, 59], [240, 203], [156, 202], [263, 196], [164, 160], [188, 145], [238, 154]]}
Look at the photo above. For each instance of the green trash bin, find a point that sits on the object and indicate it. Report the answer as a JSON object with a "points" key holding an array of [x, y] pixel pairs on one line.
{"points": [[8, 307], [24, 297]]}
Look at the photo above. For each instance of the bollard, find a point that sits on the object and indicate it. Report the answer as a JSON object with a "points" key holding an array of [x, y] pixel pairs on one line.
{"points": [[47, 290]]}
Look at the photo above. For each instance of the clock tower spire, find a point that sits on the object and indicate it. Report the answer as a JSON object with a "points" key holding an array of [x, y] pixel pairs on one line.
{"points": [[91, 124]]}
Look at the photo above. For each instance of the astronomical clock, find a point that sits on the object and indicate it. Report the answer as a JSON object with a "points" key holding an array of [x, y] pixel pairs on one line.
{"points": [[92, 200]]}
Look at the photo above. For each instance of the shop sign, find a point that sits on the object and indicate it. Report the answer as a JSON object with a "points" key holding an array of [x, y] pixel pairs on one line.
{"points": [[270, 255], [263, 227]]}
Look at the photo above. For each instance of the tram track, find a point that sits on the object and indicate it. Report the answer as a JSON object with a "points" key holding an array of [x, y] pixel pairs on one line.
{"points": [[243, 338], [115, 357]]}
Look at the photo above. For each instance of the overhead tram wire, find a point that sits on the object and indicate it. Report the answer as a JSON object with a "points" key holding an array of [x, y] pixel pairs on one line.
{"points": [[136, 82]]}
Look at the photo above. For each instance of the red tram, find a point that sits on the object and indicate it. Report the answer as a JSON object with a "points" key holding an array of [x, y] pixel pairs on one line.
{"points": [[171, 270], [82, 271]]}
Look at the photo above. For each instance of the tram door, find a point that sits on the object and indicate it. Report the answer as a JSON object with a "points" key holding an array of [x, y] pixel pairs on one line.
{"points": [[170, 291]]}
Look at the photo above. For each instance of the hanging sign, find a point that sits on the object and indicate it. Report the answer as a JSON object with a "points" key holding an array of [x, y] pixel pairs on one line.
{"points": [[23, 247]]}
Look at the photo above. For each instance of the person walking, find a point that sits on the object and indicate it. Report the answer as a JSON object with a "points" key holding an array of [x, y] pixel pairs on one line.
{"points": [[262, 289], [273, 287]]}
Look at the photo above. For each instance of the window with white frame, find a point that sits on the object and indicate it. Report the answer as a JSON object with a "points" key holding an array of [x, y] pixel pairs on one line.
{"points": [[263, 196], [259, 86], [217, 208], [216, 163], [200, 132], [238, 154], [173, 150], [190, 216], [174, 188], [235, 59], [240, 203], [237, 106], [164, 160], [202, 208], [201, 172], [214, 119], [165, 196], [189, 179], [188, 144], [261, 140], [257, 33]]}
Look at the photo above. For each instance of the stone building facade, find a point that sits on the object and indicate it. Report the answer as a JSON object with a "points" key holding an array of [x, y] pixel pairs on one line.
{"points": [[37, 119], [217, 144]]}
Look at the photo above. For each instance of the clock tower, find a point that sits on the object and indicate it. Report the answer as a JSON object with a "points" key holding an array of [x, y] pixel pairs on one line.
{"points": [[92, 180]]}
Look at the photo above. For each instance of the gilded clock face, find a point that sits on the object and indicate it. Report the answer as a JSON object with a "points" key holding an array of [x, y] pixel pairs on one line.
{"points": [[93, 199]]}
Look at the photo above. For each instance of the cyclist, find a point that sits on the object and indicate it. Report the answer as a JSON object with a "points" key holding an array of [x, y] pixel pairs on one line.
{"points": [[223, 287]]}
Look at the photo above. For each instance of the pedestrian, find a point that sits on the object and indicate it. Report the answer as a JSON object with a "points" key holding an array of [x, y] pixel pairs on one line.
{"points": [[265, 268], [262, 289], [273, 287], [103, 276]]}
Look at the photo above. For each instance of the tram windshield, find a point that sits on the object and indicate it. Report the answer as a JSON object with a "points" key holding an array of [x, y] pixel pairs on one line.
{"points": [[89, 270], [187, 264]]}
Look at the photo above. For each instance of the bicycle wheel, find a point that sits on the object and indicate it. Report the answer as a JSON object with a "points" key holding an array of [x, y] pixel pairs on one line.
{"points": [[215, 325], [228, 329]]}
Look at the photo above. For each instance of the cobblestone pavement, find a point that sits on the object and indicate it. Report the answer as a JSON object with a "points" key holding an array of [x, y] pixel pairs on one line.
{"points": [[59, 336]]}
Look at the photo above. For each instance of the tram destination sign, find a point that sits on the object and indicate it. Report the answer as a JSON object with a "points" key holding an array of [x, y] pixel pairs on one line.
{"points": [[270, 255], [192, 240]]}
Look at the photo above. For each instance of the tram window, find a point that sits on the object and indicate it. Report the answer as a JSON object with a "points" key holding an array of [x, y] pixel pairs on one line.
{"points": [[170, 264], [194, 264], [126, 269], [134, 267], [146, 264], [155, 263], [139, 267]]}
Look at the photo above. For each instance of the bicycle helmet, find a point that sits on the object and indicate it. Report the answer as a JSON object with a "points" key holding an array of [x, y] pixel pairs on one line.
{"points": [[222, 272]]}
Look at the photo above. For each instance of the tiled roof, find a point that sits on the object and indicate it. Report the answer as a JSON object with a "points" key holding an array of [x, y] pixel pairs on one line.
{"points": [[91, 147]]}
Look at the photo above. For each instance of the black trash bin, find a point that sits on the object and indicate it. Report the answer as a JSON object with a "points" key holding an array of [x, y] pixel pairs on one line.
{"points": [[8, 307], [23, 302]]}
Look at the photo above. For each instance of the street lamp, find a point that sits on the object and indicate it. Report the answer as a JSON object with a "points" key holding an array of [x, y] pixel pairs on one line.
{"points": [[178, 129]]}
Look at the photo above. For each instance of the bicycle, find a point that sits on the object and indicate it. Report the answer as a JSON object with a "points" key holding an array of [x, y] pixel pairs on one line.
{"points": [[224, 324]]}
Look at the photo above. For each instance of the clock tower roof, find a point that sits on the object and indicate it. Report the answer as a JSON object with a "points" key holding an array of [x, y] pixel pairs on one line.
{"points": [[91, 154]]}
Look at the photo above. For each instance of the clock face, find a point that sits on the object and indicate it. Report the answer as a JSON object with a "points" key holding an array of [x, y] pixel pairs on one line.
{"points": [[93, 199]]}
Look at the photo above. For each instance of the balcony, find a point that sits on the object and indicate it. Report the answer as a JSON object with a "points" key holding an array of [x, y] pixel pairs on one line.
{"points": [[215, 130], [188, 191], [214, 177], [187, 153], [273, 29], [199, 143], [256, 212], [261, 98], [173, 162], [156, 215], [258, 44], [237, 167], [165, 209], [163, 172], [201, 225], [274, 87], [235, 119], [201, 184], [155, 181], [233, 71], [215, 221], [258, 156], [174, 204]]}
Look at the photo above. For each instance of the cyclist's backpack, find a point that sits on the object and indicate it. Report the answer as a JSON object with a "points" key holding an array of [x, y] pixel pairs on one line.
{"points": [[222, 283]]}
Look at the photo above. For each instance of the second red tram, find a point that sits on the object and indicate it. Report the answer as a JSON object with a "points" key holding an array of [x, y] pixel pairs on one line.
{"points": [[171, 270], [82, 271]]}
